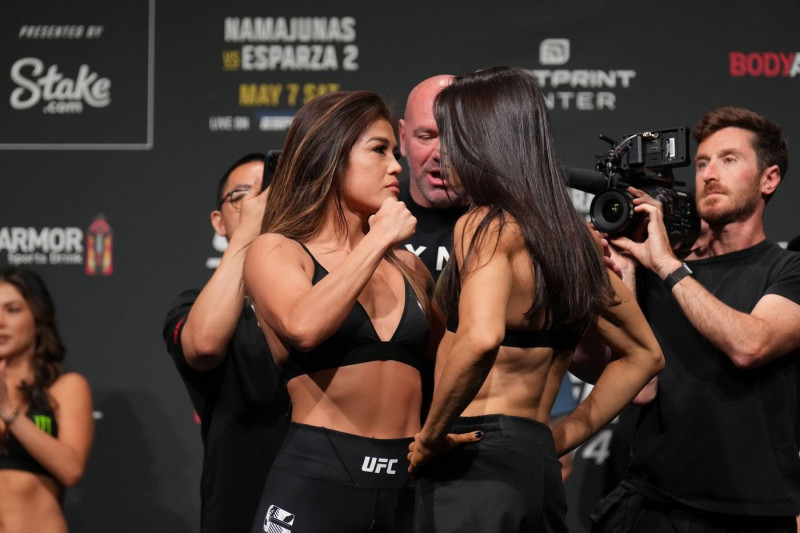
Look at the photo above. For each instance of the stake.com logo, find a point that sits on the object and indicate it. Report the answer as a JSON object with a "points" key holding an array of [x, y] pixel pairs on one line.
{"points": [[765, 64]]}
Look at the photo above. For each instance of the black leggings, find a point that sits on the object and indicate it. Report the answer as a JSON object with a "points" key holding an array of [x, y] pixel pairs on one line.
{"points": [[508, 481], [329, 481]]}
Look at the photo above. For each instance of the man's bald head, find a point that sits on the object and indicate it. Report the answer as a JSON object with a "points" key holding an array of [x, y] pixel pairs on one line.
{"points": [[421, 97], [419, 144]]}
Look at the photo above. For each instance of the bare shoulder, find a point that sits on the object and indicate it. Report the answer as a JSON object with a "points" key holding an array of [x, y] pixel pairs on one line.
{"points": [[70, 387], [501, 232], [70, 380], [272, 257], [469, 221], [274, 247], [267, 242]]}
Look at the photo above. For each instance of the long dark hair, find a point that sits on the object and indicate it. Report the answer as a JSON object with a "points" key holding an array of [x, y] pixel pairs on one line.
{"points": [[314, 160], [498, 144], [48, 357]]}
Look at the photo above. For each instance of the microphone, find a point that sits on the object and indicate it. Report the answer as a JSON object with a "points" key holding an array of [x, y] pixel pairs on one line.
{"points": [[591, 181]]}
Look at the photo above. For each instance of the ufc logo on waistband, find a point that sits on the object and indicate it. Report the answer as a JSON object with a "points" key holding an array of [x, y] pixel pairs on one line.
{"points": [[376, 464]]}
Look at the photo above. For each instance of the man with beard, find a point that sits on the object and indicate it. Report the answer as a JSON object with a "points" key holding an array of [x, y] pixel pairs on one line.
{"points": [[717, 448]]}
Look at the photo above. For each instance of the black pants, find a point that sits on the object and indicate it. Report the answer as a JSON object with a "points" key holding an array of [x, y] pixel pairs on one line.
{"points": [[625, 510], [333, 482], [509, 481]]}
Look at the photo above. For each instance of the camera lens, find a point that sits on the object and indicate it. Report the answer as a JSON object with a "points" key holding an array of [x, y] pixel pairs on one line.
{"points": [[611, 211]]}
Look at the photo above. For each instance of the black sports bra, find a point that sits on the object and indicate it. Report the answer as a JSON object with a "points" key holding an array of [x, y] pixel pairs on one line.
{"points": [[531, 338], [14, 456], [559, 339], [356, 341]]}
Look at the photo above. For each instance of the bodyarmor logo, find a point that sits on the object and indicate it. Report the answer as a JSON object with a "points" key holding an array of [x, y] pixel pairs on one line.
{"points": [[47, 246], [99, 245], [278, 520], [60, 246], [374, 465], [764, 64], [59, 93]]}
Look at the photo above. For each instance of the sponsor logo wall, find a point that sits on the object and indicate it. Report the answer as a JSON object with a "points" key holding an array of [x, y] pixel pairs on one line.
{"points": [[282, 46], [30, 246], [118, 118], [766, 64], [69, 82]]}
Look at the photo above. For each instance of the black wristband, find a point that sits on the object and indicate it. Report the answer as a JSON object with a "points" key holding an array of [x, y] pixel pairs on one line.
{"points": [[680, 273]]}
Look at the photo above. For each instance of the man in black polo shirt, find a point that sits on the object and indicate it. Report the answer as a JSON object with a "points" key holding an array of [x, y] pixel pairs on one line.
{"points": [[223, 359]]}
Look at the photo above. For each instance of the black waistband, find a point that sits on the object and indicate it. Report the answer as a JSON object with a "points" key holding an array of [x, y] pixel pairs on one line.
{"points": [[504, 426], [345, 458]]}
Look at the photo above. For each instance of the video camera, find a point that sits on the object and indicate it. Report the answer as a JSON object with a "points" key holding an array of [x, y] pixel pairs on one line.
{"points": [[645, 161]]}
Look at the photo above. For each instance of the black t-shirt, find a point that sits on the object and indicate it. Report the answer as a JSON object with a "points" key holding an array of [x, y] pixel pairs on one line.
{"points": [[719, 438], [433, 239], [243, 407]]}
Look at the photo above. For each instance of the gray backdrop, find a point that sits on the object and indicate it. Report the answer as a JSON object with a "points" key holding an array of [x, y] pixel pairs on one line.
{"points": [[117, 118]]}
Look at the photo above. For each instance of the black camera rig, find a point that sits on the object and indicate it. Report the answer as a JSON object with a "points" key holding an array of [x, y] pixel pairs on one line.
{"points": [[645, 161]]}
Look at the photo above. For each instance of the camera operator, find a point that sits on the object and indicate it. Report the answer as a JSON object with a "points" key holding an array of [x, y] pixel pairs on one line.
{"points": [[717, 447]]}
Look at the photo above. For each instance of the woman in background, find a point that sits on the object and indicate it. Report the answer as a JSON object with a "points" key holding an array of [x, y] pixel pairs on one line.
{"points": [[46, 424], [525, 280]]}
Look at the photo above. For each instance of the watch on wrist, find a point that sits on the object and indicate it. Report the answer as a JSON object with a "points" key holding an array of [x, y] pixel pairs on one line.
{"points": [[681, 272]]}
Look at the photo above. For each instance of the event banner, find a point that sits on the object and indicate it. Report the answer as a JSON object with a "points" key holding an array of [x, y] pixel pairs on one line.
{"points": [[118, 118], [79, 75]]}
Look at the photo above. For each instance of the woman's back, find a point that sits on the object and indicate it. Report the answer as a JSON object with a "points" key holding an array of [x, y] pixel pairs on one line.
{"points": [[530, 361], [529, 280]]}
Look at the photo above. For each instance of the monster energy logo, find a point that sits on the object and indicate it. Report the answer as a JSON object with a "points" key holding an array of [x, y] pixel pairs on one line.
{"points": [[44, 422]]}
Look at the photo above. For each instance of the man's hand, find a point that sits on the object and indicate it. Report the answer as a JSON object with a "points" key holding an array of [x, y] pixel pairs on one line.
{"points": [[608, 258], [648, 393], [253, 205], [621, 265], [655, 253]]}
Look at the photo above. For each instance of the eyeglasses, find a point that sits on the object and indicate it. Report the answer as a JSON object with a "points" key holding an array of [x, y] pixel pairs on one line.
{"points": [[235, 198]]}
